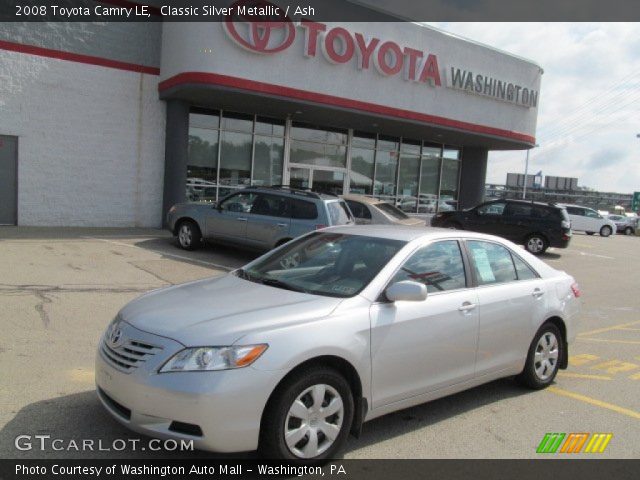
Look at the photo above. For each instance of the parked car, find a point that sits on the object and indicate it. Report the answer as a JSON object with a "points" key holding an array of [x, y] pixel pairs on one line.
{"points": [[256, 217], [425, 203], [367, 210], [535, 225], [624, 224], [584, 219], [301, 346]]}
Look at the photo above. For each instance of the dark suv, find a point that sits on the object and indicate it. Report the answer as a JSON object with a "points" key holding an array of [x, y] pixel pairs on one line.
{"points": [[535, 225]]}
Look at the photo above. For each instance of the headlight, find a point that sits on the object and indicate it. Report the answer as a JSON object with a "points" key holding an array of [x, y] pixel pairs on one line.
{"points": [[202, 359]]}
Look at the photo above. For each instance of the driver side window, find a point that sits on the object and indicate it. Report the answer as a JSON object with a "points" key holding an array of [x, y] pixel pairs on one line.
{"points": [[439, 266], [238, 203], [491, 208]]}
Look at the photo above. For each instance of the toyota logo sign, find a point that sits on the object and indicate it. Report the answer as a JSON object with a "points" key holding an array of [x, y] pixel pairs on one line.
{"points": [[260, 37], [114, 337]]}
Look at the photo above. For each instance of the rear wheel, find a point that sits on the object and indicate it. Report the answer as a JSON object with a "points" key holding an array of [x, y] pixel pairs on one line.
{"points": [[308, 418], [628, 231], [536, 244], [606, 231], [543, 358], [189, 235]]}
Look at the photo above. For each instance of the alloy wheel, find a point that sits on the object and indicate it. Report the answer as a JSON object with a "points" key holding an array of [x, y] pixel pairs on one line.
{"points": [[314, 421], [546, 356], [185, 235], [535, 244]]}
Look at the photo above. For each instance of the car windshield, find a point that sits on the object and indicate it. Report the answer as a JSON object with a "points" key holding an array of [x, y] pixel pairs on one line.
{"points": [[392, 211], [324, 263]]}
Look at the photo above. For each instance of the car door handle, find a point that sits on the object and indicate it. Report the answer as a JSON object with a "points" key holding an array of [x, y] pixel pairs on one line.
{"points": [[537, 293], [241, 219], [467, 306], [282, 225]]}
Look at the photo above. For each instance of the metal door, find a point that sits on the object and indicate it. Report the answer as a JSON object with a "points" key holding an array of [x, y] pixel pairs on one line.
{"points": [[8, 180]]}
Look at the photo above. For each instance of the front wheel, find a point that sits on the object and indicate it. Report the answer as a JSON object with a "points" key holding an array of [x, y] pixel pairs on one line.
{"points": [[308, 418], [543, 358], [189, 235], [606, 231], [628, 231], [536, 244]]}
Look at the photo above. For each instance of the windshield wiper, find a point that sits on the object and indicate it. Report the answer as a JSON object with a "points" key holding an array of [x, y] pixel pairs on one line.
{"points": [[274, 282]]}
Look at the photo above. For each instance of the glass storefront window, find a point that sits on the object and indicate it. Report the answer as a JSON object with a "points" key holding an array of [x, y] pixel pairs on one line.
{"points": [[449, 183], [408, 182], [410, 146], [385, 182], [310, 133], [235, 159], [318, 154], [365, 140], [237, 121], [429, 180], [204, 120], [202, 169], [269, 126], [362, 170], [267, 160], [387, 143], [451, 152]]}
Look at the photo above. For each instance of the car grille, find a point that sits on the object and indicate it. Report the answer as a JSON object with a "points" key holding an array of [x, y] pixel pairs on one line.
{"points": [[130, 355]]}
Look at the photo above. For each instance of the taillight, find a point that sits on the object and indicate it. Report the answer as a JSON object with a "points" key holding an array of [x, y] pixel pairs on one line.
{"points": [[576, 290], [319, 227]]}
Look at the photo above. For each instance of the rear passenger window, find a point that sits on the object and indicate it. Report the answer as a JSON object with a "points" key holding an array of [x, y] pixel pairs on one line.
{"points": [[359, 210], [518, 210], [439, 266], [492, 263], [303, 210], [270, 205], [339, 213], [524, 271]]}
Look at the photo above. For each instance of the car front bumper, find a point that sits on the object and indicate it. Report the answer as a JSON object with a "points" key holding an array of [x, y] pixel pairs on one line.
{"points": [[219, 410]]}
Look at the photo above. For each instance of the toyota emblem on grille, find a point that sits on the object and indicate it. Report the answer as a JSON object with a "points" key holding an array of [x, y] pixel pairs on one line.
{"points": [[115, 336]]}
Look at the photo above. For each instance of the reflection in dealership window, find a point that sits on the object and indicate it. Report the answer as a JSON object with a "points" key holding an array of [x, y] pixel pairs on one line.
{"points": [[267, 161], [235, 159], [408, 181], [362, 169], [439, 266], [202, 170], [449, 182]]}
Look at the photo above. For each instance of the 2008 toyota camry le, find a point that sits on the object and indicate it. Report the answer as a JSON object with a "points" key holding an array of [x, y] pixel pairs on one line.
{"points": [[291, 353]]}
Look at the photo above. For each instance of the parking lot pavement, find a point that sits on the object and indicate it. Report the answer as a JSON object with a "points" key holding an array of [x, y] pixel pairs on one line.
{"points": [[60, 288]]}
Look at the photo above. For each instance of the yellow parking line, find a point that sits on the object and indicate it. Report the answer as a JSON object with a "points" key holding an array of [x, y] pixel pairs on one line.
{"points": [[608, 329], [595, 402], [582, 375], [630, 329], [604, 340]]}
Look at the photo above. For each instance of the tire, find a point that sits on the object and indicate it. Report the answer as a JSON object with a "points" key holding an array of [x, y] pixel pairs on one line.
{"points": [[189, 235], [628, 231], [589, 233], [606, 231], [296, 397], [547, 346], [536, 244]]}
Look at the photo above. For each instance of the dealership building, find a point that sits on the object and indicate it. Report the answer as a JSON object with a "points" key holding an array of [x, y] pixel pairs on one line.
{"points": [[109, 124]]}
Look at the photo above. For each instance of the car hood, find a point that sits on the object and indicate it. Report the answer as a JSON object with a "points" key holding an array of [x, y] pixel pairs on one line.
{"points": [[220, 310]]}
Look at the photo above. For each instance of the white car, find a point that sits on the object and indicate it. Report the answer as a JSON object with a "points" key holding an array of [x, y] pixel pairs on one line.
{"points": [[585, 219], [297, 349]]}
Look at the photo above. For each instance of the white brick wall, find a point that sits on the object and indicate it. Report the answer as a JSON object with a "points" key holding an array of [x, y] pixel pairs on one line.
{"points": [[91, 142]]}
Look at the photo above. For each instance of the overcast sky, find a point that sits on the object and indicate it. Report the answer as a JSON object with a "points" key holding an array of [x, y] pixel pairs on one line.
{"points": [[589, 110]]}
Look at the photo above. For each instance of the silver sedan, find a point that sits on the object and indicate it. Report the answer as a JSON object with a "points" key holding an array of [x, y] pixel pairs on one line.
{"points": [[300, 347]]}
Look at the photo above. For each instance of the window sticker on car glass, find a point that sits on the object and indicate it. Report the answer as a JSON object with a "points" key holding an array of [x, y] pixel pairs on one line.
{"points": [[343, 289], [482, 265]]}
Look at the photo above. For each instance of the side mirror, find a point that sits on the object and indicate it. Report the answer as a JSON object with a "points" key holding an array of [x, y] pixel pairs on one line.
{"points": [[407, 291]]}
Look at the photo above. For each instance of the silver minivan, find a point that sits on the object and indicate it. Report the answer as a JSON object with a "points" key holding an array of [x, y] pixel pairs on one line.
{"points": [[256, 217]]}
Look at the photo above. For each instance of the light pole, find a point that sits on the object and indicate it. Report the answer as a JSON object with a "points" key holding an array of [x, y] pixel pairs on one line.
{"points": [[526, 171]]}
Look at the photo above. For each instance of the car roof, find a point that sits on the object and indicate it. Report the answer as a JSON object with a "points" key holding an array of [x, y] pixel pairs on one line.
{"points": [[292, 192], [362, 198], [407, 233], [526, 202]]}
